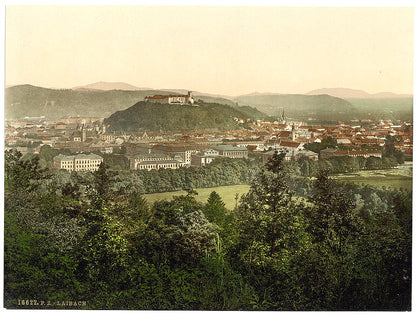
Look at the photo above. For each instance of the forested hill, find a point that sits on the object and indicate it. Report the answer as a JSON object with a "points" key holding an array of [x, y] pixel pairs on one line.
{"points": [[31, 101], [153, 116], [391, 108], [323, 107]]}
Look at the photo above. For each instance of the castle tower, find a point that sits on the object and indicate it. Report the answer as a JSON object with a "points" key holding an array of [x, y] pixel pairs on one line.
{"points": [[293, 132], [83, 133], [190, 98]]}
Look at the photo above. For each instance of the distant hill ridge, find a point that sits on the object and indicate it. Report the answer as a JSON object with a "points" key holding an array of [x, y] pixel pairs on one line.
{"points": [[31, 101], [102, 85], [299, 106], [356, 93]]}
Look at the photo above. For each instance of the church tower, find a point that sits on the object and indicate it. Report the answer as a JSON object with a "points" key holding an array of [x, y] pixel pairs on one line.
{"points": [[83, 133], [293, 132], [190, 98]]}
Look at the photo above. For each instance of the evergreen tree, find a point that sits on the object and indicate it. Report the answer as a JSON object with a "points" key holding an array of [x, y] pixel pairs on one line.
{"points": [[216, 212], [332, 218], [103, 257], [214, 209], [267, 205], [101, 191], [335, 228], [21, 174], [271, 237]]}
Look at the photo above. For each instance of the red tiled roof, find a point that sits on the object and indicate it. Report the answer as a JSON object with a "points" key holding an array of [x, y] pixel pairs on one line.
{"points": [[284, 134], [289, 143], [369, 140]]}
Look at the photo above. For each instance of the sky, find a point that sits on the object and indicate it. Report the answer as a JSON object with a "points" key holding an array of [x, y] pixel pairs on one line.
{"points": [[229, 50]]}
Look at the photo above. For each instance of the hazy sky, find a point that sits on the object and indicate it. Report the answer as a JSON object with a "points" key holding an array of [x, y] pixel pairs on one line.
{"points": [[225, 50]]}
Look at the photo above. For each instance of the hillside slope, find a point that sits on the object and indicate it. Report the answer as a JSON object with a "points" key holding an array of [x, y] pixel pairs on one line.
{"points": [[103, 85], [154, 116], [386, 108], [31, 101], [323, 107], [355, 93]]}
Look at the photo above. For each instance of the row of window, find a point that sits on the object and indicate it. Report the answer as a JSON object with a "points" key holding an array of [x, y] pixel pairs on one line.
{"points": [[152, 159], [235, 153], [156, 166], [86, 165], [78, 163], [81, 167], [87, 161]]}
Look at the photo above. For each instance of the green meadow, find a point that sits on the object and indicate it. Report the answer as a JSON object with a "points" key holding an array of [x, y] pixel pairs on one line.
{"points": [[227, 194], [390, 178], [395, 178]]}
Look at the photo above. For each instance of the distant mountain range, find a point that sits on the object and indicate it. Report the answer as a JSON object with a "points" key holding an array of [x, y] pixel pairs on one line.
{"points": [[102, 85], [335, 92], [30, 101], [104, 98], [302, 107], [355, 93]]}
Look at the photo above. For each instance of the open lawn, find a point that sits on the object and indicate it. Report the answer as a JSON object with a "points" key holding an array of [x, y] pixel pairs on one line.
{"points": [[394, 178], [227, 194]]}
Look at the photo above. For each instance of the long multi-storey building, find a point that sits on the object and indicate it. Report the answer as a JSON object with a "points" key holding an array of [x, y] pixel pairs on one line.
{"points": [[231, 151], [327, 153], [176, 150], [78, 163], [155, 161]]}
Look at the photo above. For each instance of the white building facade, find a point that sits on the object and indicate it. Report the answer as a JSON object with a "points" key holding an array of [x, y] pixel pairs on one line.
{"points": [[78, 163]]}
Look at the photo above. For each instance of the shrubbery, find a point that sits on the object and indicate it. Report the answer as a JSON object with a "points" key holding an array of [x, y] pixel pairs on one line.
{"points": [[72, 237]]}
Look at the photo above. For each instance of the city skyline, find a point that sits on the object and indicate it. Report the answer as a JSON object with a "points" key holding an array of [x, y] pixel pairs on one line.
{"points": [[221, 50]]}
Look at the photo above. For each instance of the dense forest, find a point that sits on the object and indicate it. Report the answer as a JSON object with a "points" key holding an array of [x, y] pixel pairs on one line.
{"points": [[91, 237], [30, 101]]}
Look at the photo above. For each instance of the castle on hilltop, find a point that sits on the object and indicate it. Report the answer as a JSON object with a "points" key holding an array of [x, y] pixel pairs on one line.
{"points": [[171, 99]]}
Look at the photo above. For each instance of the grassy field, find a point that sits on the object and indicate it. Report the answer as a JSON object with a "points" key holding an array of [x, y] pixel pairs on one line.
{"points": [[227, 194], [393, 178]]}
